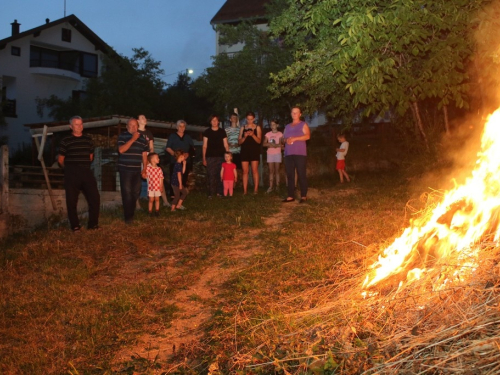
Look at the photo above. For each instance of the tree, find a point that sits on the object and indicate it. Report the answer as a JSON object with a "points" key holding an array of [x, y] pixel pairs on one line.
{"points": [[181, 102], [241, 80], [376, 55], [127, 86]]}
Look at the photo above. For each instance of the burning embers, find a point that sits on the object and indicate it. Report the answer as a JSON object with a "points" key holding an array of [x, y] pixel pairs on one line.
{"points": [[444, 241]]}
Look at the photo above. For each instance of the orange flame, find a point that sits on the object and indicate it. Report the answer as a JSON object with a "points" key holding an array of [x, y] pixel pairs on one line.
{"points": [[465, 215]]}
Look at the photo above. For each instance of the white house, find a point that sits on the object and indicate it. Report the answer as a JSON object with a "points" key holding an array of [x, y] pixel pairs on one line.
{"points": [[53, 59], [235, 11]]}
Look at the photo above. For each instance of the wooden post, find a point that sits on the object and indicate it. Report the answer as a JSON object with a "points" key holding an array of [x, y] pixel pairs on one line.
{"points": [[47, 180], [4, 170], [97, 163]]}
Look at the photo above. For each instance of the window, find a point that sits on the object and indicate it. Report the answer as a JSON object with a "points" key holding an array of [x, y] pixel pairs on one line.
{"points": [[15, 51], [70, 60], [78, 95], [66, 35], [7, 106], [89, 65], [82, 63]]}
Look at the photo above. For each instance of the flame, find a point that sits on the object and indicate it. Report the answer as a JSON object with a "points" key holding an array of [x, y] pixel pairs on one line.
{"points": [[450, 233]]}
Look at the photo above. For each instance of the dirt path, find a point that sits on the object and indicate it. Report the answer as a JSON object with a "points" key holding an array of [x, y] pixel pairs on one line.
{"points": [[161, 343]]}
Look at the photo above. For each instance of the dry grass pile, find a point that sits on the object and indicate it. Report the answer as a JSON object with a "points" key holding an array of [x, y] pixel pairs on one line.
{"points": [[456, 330], [307, 314]]}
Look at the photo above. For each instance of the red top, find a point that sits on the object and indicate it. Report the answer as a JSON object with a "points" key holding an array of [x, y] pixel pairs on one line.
{"points": [[228, 171]]}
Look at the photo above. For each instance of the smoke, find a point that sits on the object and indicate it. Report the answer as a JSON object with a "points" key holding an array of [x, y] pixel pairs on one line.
{"points": [[457, 153], [486, 59]]}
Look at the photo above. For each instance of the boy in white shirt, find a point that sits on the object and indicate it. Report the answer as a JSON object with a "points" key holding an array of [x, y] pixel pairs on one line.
{"points": [[341, 153]]}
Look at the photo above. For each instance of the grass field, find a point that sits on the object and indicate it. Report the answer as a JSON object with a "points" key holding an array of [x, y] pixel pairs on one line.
{"points": [[70, 302], [243, 285]]}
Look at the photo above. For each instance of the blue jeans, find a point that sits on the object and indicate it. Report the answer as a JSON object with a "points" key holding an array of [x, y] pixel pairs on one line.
{"points": [[292, 163], [130, 186]]}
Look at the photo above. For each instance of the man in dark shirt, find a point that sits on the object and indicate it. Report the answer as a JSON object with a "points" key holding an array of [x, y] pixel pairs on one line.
{"points": [[133, 150], [76, 152], [180, 141]]}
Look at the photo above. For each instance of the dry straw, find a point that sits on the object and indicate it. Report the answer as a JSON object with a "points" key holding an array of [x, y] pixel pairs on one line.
{"points": [[421, 328]]}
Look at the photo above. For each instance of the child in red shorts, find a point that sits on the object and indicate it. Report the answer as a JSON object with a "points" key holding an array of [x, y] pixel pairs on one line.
{"points": [[341, 153]]}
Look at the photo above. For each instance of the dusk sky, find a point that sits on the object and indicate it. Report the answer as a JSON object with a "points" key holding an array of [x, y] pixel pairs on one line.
{"points": [[176, 32]]}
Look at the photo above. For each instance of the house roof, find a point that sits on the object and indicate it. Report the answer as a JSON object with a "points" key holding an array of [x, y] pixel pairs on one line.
{"points": [[73, 21], [234, 11]]}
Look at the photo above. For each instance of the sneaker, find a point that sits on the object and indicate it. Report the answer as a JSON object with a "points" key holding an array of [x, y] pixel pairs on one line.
{"points": [[77, 229], [182, 208], [167, 204], [95, 227], [270, 190]]}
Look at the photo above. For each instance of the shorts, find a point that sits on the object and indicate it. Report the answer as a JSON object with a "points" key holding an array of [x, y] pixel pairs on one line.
{"points": [[274, 158], [250, 156], [341, 164], [154, 193]]}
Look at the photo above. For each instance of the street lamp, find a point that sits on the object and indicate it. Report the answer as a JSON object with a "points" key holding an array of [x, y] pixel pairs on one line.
{"points": [[187, 72]]}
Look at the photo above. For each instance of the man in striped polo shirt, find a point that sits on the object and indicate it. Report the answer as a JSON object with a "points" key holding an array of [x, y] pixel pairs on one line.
{"points": [[133, 150], [76, 152]]}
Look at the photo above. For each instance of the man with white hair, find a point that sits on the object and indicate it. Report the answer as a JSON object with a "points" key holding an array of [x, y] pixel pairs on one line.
{"points": [[76, 152], [180, 141], [133, 153]]}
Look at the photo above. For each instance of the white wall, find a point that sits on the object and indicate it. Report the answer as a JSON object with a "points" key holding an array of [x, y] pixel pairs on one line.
{"points": [[33, 207], [24, 86]]}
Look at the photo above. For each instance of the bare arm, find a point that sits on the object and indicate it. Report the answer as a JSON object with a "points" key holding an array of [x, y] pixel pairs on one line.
{"points": [[305, 137], [124, 148], [241, 138], [151, 146], [60, 160], [179, 177], [144, 164], [266, 142], [204, 150], [257, 137]]}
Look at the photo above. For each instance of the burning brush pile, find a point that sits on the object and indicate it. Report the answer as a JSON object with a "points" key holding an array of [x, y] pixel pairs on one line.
{"points": [[430, 303]]}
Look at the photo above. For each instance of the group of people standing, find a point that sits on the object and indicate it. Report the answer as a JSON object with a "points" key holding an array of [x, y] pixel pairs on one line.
{"points": [[136, 161], [224, 152], [241, 146]]}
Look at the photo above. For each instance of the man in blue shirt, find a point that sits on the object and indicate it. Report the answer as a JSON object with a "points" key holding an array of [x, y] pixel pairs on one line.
{"points": [[133, 153], [180, 141]]}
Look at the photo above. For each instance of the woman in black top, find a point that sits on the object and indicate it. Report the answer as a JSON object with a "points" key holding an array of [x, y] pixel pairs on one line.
{"points": [[214, 146], [249, 139]]}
